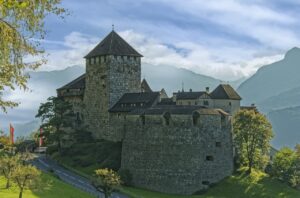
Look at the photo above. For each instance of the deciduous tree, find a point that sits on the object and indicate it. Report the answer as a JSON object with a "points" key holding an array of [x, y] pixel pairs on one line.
{"points": [[25, 176], [21, 30], [8, 165], [107, 181], [252, 136]]}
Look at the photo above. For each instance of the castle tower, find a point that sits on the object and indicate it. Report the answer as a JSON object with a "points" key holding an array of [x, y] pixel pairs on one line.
{"points": [[113, 68]]}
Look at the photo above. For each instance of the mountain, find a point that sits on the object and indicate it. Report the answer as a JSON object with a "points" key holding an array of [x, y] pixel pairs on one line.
{"points": [[273, 79], [42, 84], [290, 98], [275, 89], [26, 128], [173, 79], [286, 126]]}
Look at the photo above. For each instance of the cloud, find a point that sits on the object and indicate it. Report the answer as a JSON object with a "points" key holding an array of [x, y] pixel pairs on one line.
{"points": [[221, 63], [70, 52], [225, 39], [228, 62]]}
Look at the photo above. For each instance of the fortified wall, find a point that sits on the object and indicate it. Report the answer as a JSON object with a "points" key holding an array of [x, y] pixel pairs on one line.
{"points": [[178, 152]]}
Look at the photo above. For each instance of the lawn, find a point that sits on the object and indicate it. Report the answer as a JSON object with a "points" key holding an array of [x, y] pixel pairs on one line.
{"points": [[51, 187], [257, 185]]}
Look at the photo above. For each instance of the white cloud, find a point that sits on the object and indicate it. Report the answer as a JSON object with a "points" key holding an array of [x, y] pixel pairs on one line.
{"points": [[71, 52], [224, 62]]}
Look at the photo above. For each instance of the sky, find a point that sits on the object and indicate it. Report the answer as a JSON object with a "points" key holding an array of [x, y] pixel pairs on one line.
{"points": [[226, 39]]}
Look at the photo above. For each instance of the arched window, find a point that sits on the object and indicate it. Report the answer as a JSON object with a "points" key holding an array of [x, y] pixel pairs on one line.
{"points": [[167, 117], [196, 117]]}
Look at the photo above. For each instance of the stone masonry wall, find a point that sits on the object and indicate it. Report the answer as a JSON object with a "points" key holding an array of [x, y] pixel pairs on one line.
{"points": [[107, 79], [179, 158]]}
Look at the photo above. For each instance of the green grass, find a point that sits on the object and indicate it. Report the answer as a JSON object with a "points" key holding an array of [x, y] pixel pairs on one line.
{"points": [[257, 185], [51, 187]]}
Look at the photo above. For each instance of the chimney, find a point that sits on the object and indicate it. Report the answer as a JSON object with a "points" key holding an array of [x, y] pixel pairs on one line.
{"points": [[191, 90], [207, 89]]}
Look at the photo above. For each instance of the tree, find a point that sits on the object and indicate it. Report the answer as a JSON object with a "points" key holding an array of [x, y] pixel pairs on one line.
{"points": [[283, 163], [4, 140], [25, 176], [56, 115], [107, 181], [21, 30], [252, 135], [7, 167]]}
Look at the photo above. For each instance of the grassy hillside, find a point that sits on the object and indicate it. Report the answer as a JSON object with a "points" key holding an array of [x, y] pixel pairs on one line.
{"points": [[50, 188], [257, 185]]}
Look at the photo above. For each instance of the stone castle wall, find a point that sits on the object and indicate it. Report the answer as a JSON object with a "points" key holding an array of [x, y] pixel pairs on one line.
{"points": [[177, 158], [107, 79]]}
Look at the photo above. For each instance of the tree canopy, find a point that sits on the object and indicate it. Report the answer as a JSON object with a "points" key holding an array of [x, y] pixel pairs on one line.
{"points": [[252, 136], [21, 30], [56, 115], [107, 181]]}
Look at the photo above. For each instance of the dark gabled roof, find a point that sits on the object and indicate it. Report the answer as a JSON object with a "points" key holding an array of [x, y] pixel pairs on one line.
{"points": [[189, 95], [131, 101], [113, 44], [145, 86], [78, 83], [225, 91], [166, 101]]}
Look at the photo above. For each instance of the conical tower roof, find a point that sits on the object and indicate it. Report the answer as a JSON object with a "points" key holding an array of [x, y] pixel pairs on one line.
{"points": [[113, 44]]}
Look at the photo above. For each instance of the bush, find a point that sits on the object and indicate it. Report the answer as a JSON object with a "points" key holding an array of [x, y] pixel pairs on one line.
{"points": [[126, 176]]}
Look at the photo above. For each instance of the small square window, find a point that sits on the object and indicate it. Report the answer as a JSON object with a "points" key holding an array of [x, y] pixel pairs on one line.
{"points": [[218, 144], [209, 158]]}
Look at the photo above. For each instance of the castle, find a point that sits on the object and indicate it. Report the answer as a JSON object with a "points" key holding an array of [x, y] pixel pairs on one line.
{"points": [[177, 145]]}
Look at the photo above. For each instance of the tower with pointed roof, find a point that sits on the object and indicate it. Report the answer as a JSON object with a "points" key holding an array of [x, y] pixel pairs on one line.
{"points": [[113, 68]]}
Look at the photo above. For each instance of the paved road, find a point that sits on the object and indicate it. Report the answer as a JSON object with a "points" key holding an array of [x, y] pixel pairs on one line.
{"points": [[46, 164]]}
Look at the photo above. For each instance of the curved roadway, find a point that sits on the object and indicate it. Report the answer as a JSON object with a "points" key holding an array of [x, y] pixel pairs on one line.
{"points": [[46, 164]]}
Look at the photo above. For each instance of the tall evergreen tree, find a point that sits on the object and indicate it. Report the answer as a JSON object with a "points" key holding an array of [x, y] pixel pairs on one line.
{"points": [[56, 115]]}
